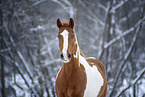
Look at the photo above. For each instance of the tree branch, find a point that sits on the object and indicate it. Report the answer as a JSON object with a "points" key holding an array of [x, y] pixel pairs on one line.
{"points": [[125, 33], [90, 12], [113, 9], [138, 27], [105, 30], [13, 61], [66, 5], [133, 83], [125, 58], [18, 53]]}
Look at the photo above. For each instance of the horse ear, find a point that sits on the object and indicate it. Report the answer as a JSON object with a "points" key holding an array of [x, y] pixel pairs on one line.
{"points": [[59, 24], [71, 22]]}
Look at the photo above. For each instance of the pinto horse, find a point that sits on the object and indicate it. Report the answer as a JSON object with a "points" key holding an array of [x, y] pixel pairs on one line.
{"points": [[78, 76]]}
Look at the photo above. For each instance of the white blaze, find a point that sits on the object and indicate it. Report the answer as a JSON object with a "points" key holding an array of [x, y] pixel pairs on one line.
{"points": [[65, 35]]}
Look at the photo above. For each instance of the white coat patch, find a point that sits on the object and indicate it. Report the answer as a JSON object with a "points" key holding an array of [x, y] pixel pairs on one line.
{"points": [[90, 58], [94, 79]]}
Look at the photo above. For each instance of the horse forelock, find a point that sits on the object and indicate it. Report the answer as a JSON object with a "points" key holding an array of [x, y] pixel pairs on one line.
{"points": [[65, 23]]}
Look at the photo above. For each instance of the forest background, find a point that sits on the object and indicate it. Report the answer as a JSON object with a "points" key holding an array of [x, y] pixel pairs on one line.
{"points": [[113, 31]]}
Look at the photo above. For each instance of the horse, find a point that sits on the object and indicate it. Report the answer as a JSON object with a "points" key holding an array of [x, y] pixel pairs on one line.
{"points": [[78, 76]]}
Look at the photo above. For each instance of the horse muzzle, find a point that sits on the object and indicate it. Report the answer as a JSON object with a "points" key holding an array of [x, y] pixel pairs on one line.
{"points": [[65, 57]]}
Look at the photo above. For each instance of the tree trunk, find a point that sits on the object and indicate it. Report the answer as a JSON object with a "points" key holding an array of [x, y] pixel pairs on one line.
{"points": [[1, 57]]}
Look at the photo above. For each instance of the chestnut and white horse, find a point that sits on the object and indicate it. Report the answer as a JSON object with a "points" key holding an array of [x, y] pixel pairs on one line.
{"points": [[79, 76]]}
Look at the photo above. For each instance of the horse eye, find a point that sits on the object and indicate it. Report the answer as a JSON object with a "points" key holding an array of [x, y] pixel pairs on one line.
{"points": [[73, 36], [58, 37]]}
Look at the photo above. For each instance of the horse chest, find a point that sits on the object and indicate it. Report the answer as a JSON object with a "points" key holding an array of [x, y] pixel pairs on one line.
{"points": [[72, 85]]}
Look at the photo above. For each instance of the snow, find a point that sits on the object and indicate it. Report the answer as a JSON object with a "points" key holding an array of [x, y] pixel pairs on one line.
{"points": [[25, 92]]}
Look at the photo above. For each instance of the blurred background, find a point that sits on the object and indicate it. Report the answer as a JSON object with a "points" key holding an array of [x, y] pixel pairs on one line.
{"points": [[113, 31]]}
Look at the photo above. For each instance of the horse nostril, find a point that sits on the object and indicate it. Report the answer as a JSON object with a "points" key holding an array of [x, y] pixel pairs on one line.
{"points": [[69, 56], [61, 55]]}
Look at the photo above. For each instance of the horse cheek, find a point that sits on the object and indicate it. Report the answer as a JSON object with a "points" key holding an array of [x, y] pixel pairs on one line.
{"points": [[70, 47], [60, 45]]}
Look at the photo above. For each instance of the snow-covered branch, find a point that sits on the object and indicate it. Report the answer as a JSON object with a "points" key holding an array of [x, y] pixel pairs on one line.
{"points": [[18, 52], [15, 63], [132, 83], [125, 33], [125, 58], [38, 2], [114, 8]]}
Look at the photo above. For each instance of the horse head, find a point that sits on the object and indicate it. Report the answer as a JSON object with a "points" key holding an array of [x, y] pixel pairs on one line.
{"points": [[67, 39]]}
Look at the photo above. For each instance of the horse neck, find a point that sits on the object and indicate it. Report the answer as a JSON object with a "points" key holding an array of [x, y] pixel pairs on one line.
{"points": [[74, 62], [70, 66]]}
